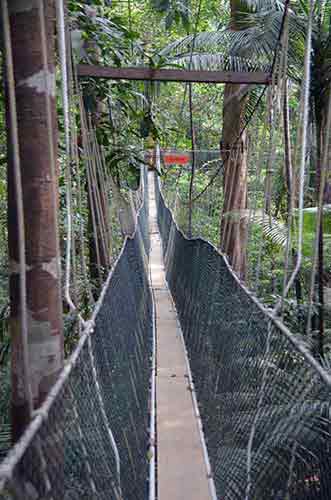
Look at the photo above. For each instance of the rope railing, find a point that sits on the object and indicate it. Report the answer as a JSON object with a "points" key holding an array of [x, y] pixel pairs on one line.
{"points": [[264, 399], [91, 437]]}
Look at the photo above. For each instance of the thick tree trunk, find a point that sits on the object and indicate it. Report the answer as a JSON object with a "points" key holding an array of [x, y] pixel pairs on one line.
{"points": [[234, 154], [233, 224], [34, 86]]}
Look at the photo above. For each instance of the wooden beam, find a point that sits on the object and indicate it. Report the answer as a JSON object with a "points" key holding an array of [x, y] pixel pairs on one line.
{"points": [[173, 75]]}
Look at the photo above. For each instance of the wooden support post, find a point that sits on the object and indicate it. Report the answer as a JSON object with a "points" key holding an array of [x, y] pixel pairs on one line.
{"points": [[173, 75]]}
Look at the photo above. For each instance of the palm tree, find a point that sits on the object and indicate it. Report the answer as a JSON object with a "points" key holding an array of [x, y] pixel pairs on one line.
{"points": [[253, 28], [252, 33]]}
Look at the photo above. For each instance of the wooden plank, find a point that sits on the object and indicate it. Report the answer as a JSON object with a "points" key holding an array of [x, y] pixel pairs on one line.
{"points": [[173, 75], [182, 471]]}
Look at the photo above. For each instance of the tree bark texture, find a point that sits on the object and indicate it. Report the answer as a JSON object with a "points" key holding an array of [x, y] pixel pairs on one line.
{"points": [[33, 86], [233, 225], [234, 154]]}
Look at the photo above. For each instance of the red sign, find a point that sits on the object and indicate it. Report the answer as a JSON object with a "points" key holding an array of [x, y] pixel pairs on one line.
{"points": [[176, 158]]}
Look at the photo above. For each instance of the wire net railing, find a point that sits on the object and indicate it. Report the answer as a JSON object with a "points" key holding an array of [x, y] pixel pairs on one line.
{"points": [[263, 399], [91, 437]]}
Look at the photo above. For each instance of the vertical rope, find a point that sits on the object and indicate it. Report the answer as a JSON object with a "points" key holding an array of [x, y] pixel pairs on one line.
{"points": [[271, 111], [75, 153], [288, 162], [66, 112], [319, 212], [96, 168], [305, 122], [87, 153], [191, 54]]}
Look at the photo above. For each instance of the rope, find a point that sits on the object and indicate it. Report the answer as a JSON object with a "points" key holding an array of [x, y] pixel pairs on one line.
{"points": [[230, 150], [75, 91], [305, 122], [260, 134], [104, 180], [248, 121], [276, 78], [88, 157], [268, 178], [195, 33], [319, 222], [66, 113], [288, 166], [19, 203], [98, 189]]}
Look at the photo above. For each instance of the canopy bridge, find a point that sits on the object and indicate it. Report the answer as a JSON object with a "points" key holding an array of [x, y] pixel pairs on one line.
{"points": [[243, 411], [182, 385]]}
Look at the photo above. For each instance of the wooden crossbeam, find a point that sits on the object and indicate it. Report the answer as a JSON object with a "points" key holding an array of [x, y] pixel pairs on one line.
{"points": [[173, 75]]}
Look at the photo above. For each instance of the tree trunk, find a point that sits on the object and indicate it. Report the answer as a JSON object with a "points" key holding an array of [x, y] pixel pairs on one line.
{"points": [[34, 86], [321, 126], [234, 154], [323, 151], [233, 225], [193, 146]]}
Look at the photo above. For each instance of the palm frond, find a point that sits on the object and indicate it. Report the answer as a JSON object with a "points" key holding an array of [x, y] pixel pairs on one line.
{"points": [[273, 229], [218, 62], [256, 39], [264, 4]]}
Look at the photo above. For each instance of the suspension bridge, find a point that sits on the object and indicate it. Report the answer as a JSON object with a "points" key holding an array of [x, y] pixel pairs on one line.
{"points": [[227, 403], [182, 385]]}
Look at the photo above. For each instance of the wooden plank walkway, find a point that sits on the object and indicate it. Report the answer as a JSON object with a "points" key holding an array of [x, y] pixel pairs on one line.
{"points": [[182, 471]]}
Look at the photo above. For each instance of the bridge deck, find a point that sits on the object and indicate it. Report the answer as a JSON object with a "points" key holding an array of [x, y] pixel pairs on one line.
{"points": [[182, 472]]}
